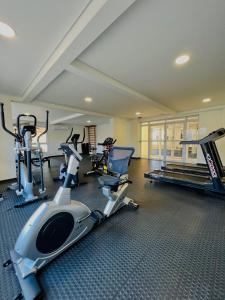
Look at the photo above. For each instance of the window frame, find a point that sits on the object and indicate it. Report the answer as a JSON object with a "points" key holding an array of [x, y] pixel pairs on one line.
{"points": [[185, 120]]}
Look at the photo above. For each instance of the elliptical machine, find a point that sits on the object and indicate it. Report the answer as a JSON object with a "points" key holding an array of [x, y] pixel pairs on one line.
{"points": [[57, 225], [71, 139], [23, 140]]}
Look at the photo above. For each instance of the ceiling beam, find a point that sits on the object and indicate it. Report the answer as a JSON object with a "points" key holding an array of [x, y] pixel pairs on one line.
{"points": [[9, 98], [81, 69], [69, 108], [94, 20], [63, 119]]}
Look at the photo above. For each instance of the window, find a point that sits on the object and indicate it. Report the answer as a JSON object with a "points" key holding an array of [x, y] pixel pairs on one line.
{"points": [[161, 139], [192, 134], [174, 135], [157, 141], [144, 142]]}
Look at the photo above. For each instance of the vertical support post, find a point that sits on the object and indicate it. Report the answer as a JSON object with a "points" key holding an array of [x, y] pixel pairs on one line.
{"points": [[27, 140], [165, 142], [184, 147], [18, 158], [214, 167]]}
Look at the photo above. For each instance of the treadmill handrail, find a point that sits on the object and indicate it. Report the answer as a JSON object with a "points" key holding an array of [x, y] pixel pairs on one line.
{"points": [[211, 137], [190, 142]]}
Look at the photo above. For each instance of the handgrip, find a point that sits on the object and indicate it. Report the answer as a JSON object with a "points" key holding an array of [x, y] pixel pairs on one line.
{"points": [[81, 142], [3, 122], [67, 140], [46, 126]]}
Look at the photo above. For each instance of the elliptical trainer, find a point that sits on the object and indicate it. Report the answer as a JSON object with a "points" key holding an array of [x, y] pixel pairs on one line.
{"points": [[57, 225], [23, 138]]}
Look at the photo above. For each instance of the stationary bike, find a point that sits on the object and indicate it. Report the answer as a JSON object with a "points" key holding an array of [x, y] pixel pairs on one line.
{"points": [[99, 162], [57, 225], [23, 141], [71, 139]]}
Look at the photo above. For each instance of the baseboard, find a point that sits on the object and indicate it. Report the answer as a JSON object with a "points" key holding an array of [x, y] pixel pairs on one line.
{"points": [[7, 180], [136, 157]]}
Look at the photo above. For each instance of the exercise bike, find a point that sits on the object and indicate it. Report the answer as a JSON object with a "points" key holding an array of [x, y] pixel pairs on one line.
{"points": [[57, 225], [99, 163], [71, 139], [23, 141]]}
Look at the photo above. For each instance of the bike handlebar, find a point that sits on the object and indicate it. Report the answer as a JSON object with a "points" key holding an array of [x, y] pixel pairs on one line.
{"points": [[102, 144]]}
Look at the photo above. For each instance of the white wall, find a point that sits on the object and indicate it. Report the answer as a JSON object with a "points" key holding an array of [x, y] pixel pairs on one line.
{"points": [[121, 131], [58, 136], [208, 122], [102, 132], [7, 154], [126, 133], [134, 136]]}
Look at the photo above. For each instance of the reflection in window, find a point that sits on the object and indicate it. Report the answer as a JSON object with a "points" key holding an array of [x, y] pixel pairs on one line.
{"points": [[157, 132], [156, 150], [174, 131], [192, 151]]}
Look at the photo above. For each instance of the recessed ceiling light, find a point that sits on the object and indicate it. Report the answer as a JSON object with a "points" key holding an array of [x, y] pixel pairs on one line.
{"points": [[138, 113], [88, 121], [206, 100], [88, 99], [182, 59], [6, 30]]}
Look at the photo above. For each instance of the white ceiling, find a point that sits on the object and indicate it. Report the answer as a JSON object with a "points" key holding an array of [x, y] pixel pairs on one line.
{"points": [[121, 53], [95, 120], [40, 26], [70, 90], [56, 115], [139, 50]]}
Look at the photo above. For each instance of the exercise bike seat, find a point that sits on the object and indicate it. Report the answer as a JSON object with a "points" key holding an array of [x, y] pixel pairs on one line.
{"points": [[107, 180]]}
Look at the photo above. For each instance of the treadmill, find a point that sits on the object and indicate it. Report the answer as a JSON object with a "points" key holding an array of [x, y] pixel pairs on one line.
{"points": [[187, 169], [197, 169], [212, 179]]}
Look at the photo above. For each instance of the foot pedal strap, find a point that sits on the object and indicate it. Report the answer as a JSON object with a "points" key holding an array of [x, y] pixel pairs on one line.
{"points": [[98, 216], [18, 297], [7, 263]]}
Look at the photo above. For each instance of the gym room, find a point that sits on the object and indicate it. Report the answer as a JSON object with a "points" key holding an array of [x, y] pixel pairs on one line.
{"points": [[112, 157]]}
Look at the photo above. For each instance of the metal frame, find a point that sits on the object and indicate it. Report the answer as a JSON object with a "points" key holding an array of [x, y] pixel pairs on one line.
{"points": [[215, 182], [164, 122]]}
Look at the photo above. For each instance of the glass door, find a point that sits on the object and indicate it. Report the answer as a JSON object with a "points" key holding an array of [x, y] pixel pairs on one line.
{"points": [[174, 135], [156, 145], [161, 139], [144, 140], [191, 134]]}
